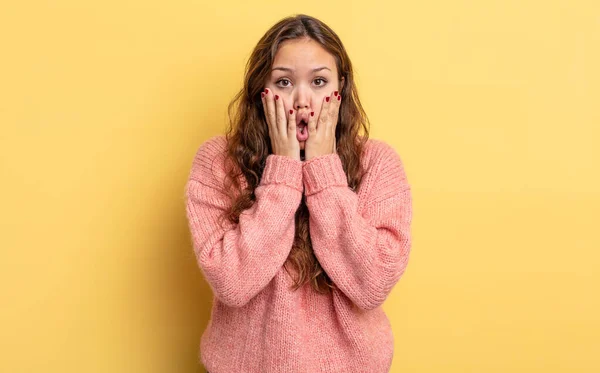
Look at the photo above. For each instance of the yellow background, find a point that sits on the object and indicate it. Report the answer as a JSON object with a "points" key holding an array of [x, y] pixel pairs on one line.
{"points": [[492, 105]]}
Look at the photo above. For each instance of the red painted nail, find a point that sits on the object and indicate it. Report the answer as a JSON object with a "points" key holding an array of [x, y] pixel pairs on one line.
{"points": [[339, 98], [335, 93], [276, 97], [262, 94], [312, 113], [327, 98], [291, 111], [266, 90]]}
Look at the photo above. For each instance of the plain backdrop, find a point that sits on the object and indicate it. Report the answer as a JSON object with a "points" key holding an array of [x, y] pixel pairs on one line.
{"points": [[492, 106]]}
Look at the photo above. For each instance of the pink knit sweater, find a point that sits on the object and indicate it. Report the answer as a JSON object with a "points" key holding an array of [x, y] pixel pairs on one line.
{"points": [[361, 239]]}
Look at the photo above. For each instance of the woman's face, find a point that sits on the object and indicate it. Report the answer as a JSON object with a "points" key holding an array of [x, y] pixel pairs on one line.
{"points": [[303, 74]]}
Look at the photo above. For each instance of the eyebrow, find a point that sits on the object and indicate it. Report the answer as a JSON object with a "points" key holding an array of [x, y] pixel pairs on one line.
{"points": [[292, 70]]}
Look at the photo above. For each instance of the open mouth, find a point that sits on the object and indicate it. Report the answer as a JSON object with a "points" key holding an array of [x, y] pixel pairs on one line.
{"points": [[302, 125], [302, 131]]}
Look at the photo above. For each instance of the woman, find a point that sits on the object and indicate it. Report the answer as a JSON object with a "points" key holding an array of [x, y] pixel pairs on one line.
{"points": [[300, 225]]}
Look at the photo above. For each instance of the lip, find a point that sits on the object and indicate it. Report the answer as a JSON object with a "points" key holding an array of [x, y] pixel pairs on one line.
{"points": [[301, 117]]}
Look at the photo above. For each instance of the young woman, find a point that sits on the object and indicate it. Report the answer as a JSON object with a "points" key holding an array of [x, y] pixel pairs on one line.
{"points": [[300, 225]]}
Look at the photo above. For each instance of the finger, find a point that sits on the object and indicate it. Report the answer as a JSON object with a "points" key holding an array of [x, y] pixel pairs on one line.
{"points": [[335, 109], [322, 123], [271, 120], [264, 105], [337, 101], [292, 123], [280, 114], [312, 125]]}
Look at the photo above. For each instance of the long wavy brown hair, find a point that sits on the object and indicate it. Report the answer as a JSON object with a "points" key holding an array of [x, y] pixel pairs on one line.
{"points": [[249, 144]]}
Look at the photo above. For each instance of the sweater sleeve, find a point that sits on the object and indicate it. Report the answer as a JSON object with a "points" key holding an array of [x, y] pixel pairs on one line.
{"points": [[239, 260], [363, 244]]}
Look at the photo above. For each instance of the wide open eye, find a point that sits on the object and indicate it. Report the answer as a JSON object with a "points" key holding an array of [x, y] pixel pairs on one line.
{"points": [[323, 80], [282, 80]]}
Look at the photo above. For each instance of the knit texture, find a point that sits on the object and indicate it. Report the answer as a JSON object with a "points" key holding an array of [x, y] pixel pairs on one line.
{"points": [[361, 239]]}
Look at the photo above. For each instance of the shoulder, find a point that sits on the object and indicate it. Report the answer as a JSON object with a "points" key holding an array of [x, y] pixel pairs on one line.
{"points": [[208, 165], [214, 146], [383, 168], [378, 153]]}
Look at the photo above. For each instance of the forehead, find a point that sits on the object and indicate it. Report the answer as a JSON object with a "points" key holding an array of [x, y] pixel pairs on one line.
{"points": [[303, 55]]}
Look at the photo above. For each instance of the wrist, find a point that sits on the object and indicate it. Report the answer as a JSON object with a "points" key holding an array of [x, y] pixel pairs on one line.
{"points": [[282, 169], [323, 171]]}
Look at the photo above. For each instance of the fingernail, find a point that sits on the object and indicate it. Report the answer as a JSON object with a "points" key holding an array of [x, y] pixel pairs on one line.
{"points": [[266, 90], [262, 94], [312, 113], [335, 93], [327, 98], [339, 98], [291, 111], [276, 97]]}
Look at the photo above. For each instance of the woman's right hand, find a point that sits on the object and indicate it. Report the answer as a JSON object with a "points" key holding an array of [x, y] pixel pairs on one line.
{"points": [[282, 125]]}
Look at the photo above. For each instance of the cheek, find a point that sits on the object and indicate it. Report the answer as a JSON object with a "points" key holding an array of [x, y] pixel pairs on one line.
{"points": [[319, 105]]}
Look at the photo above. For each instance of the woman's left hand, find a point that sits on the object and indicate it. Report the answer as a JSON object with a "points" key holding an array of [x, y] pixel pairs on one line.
{"points": [[321, 131]]}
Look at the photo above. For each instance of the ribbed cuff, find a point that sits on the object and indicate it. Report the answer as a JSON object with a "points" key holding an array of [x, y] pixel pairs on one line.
{"points": [[323, 171], [281, 169]]}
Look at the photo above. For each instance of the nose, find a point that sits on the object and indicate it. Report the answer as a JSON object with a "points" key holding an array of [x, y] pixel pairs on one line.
{"points": [[302, 98]]}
